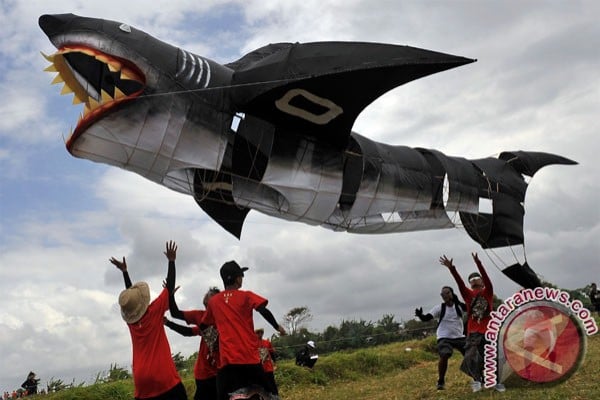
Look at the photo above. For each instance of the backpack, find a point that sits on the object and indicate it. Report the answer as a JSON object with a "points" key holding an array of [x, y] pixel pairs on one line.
{"points": [[460, 307]]}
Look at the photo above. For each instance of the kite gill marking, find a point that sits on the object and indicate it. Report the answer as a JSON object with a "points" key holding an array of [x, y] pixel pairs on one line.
{"points": [[193, 69], [333, 110]]}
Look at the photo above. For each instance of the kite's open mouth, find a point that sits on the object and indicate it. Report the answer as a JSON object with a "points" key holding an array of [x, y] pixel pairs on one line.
{"points": [[98, 80]]}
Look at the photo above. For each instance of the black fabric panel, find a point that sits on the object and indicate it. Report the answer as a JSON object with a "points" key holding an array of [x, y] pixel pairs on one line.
{"points": [[507, 222], [437, 179], [478, 226], [504, 227], [523, 275], [252, 149], [218, 203], [353, 173], [501, 178]]}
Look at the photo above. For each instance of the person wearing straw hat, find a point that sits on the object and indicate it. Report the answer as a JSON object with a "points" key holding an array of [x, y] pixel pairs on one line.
{"points": [[154, 374], [231, 311]]}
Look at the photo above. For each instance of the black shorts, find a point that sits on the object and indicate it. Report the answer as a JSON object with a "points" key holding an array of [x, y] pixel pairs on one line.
{"points": [[206, 389], [236, 376], [445, 346]]}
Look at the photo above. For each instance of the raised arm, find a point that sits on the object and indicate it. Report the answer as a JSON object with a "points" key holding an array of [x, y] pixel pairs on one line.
{"points": [[171, 254], [452, 268], [421, 316], [173, 307], [122, 265], [268, 316], [484, 276], [181, 329]]}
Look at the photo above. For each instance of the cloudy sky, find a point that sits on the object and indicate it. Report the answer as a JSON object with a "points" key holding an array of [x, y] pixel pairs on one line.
{"points": [[535, 86]]}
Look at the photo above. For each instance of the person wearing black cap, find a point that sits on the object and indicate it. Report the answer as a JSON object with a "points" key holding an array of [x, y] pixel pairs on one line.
{"points": [[479, 301], [231, 311]]}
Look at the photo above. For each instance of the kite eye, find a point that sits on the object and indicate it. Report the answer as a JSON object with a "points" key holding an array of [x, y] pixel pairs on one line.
{"points": [[125, 28]]}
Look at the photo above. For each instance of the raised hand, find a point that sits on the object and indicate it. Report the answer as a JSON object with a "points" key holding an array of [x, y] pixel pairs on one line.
{"points": [[445, 261], [171, 251], [122, 265]]}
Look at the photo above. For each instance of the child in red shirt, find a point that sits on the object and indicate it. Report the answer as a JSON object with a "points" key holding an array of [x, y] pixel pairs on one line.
{"points": [[206, 367], [267, 357]]}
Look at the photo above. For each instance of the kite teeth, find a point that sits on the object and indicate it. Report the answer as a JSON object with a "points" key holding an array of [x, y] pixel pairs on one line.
{"points": [[49, 58], [51, 68], [57, 79], [77, 100], [112, 67], [93, 103], [106, 98], [66, 90], [125, 74], [118, 93]]}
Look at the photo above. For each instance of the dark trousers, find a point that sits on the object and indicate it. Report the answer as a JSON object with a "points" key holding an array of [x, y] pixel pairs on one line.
{"points": [[271, 384], [176, 393], [206, 389], [473, 361], [233, 377]]}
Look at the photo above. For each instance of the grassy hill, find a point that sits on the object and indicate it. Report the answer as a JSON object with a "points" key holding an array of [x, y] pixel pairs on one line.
{"points": [[383, 372]]}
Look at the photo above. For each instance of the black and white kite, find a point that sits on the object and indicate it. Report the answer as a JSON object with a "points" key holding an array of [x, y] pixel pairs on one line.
{"points": [[272, 132]]}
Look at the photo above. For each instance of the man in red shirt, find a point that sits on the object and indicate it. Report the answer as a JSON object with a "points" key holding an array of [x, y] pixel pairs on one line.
{"points": [[154, 374], [266, 353], [479, 300], [231, 311], [206, 367]]}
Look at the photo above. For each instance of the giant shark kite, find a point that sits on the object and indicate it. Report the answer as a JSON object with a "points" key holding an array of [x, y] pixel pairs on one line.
{"points": [[272, 131]]}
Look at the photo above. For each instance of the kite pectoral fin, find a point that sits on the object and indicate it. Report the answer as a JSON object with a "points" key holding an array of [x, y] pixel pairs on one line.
{"points": [[212, 192], [230, 217]]}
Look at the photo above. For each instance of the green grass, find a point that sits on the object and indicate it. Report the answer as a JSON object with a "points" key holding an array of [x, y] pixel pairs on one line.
{"points": [[383, 372]]}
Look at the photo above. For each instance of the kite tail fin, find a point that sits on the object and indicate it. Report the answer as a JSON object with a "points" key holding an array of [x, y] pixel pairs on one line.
{"points": [[501, 181]]}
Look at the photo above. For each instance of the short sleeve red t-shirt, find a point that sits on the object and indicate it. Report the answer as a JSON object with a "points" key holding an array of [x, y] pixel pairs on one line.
{"points": [[268, 362], [231, 311], [206, 363], [153, 369]]}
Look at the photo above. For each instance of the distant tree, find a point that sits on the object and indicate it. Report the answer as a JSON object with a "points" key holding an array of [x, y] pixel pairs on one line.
{"points": [[415, 329], [580, 294], [180, 362], [115, 373], [55, 385], [386, 330], [353, 333], [295, 318]]}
